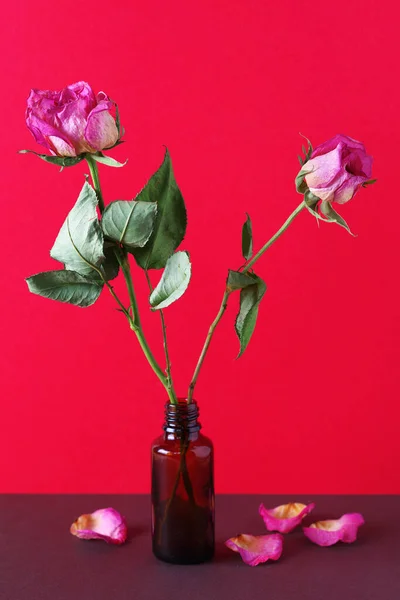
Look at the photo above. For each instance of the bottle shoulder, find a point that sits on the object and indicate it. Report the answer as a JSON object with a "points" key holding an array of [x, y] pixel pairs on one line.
{"points": [[167, 442]]}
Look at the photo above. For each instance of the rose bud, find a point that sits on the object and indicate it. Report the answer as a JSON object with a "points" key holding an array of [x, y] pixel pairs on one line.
{"points": [[337, 169], [334, 172], [103, 524], [71, 121]]}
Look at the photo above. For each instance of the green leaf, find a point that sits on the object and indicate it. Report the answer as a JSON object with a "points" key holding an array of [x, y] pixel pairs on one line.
{"points": [[237, 281], [250, 298], [129, 222], [110, 266], [107, 160], [61, 161], [247, 239], [79, 245], [173, 282], [65, 286], [170, 224]]}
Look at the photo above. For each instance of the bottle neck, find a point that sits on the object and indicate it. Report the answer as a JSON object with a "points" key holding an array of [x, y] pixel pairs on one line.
{"points": [[181, 419]]}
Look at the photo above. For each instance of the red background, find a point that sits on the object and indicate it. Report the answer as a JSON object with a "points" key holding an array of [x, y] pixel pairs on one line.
{"points": [[227, 85]]}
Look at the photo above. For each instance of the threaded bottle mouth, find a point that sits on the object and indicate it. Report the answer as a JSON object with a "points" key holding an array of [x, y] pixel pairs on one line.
{"points": [[182, 417]]}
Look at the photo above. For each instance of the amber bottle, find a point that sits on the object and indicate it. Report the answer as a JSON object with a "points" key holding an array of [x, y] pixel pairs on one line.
{"points": [[182, 488]]}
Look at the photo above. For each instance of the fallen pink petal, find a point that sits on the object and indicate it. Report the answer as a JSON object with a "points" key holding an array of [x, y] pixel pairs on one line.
{"points": [[286, 517], [327, 533], [256, 549], [104, 524]]}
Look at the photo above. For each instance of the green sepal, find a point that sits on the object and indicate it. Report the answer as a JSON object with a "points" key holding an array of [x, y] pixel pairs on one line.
{"points": [[61, 161], [107, 160], [309, 150], [118, 121], [174, 281], [250, 298], [311, 199], [369, 182], [300, 181], [170, 223], [65, 286], [332, 216], [247, 239]]}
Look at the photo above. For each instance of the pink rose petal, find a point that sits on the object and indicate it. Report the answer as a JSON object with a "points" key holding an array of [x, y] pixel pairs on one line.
{"points": [[286, 517], [257, 549], [327, 533], [103, 524], [71, 121]]}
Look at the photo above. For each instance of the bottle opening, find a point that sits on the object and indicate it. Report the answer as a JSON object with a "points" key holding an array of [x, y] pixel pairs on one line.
{"points": [[181, 417]]}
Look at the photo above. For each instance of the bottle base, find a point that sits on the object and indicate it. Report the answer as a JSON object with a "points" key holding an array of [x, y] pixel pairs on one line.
{"points": [[184, 559]]}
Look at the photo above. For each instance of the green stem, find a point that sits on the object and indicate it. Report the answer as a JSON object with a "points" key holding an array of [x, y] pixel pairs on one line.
{"points": [[275, 237], [134, 319], [210, 333], [165, 340], [94, 173], [227, 293], [136, 326]]}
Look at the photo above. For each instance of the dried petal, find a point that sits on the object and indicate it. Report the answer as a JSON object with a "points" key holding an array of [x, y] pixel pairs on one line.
{"points": [[256, 549], [103, 524], [285, 517], [327, 533]]}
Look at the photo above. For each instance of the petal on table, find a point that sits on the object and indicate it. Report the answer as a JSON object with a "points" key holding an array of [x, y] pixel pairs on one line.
{"points": [[256, 549], [286, 517], [104, 524], [327, 533]]}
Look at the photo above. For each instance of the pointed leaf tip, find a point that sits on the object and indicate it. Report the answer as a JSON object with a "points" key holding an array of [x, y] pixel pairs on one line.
{"points": [[65, 286], [170, 224], [247, 239], [250, 298], [174, 281]]}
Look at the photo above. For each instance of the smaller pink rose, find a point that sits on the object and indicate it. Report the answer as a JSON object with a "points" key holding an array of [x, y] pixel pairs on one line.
{"points": [[104, 524], [337, 168]]}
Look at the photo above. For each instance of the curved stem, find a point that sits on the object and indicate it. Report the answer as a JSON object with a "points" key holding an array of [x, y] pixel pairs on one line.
{"points": [[210, 333], [134, 319], [226, 296], [165, 340], [275, 237], [136, 326]]}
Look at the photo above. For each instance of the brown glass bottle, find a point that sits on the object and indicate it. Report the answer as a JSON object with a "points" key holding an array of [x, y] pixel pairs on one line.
{"points": [[182, 488]]}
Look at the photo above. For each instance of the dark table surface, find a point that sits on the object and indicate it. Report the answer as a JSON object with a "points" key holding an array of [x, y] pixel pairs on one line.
{"points": [[40, 560]]}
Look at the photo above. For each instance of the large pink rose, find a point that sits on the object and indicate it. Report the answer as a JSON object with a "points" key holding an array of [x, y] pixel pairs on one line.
{"points": [[337, 168], [71, 121]]}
